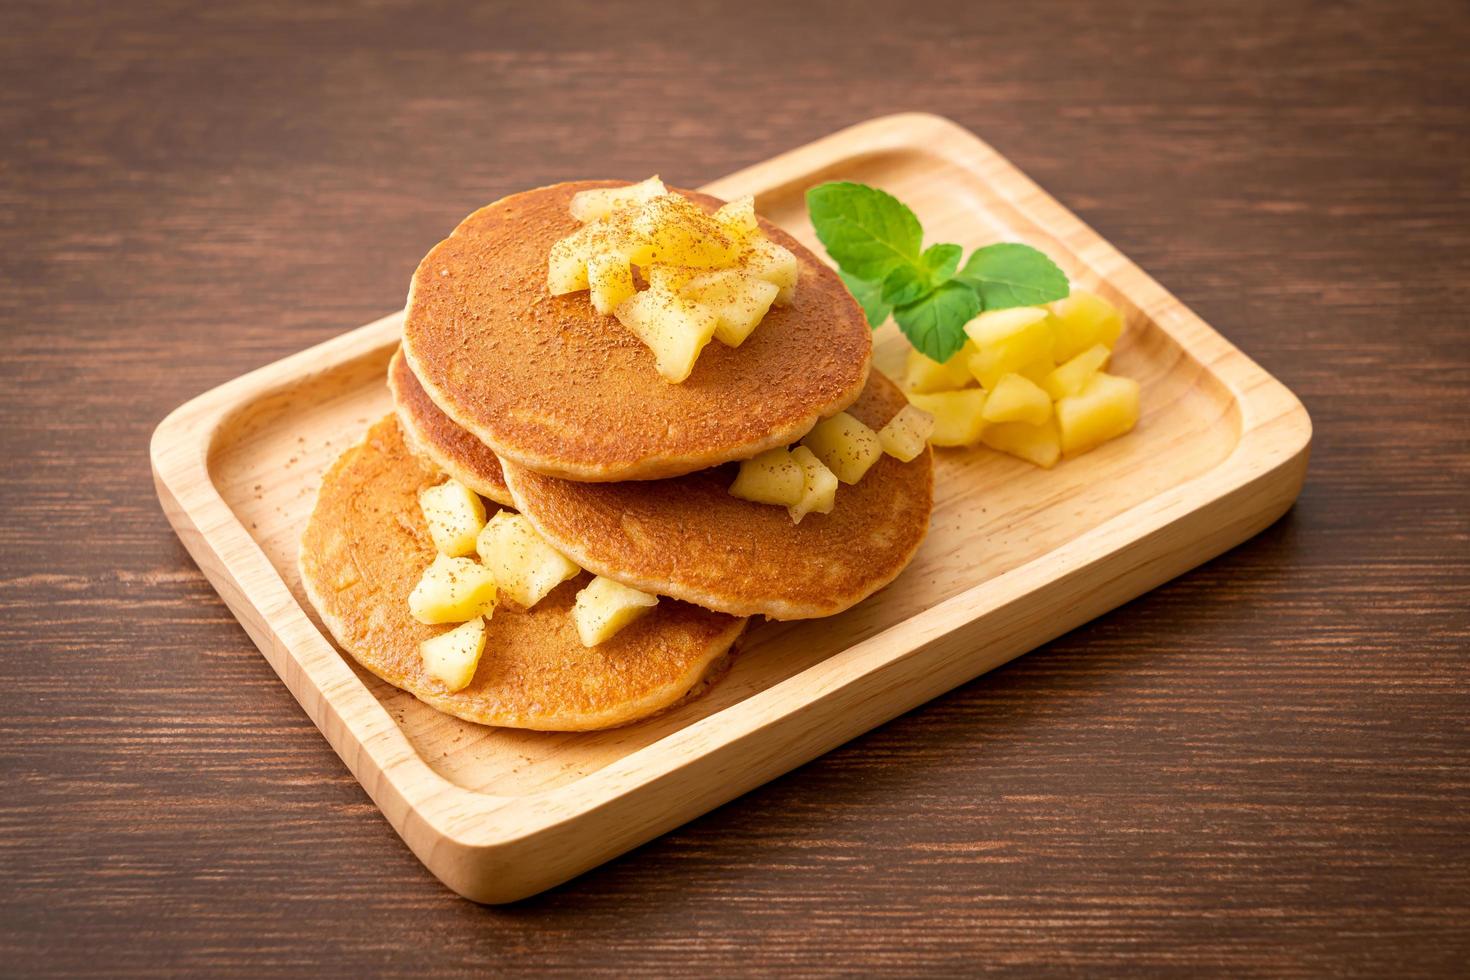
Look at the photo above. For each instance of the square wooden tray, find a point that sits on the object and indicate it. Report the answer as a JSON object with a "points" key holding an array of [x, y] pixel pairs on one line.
{"points": [[1015, 557]]}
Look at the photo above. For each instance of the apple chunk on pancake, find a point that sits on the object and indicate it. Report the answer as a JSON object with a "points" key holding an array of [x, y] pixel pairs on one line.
{"points": [[550, 383], [690, 538], [365, 548]]}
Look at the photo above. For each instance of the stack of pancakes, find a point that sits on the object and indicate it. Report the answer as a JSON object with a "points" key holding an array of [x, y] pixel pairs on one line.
{"points": [[541, 404]]}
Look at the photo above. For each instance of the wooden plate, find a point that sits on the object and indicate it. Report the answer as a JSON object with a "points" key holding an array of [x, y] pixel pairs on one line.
{"points": [[1016, 556]]}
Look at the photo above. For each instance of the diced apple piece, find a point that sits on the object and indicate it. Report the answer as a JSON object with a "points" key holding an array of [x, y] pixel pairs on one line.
{"points": [[767, 260], [524, 566], [1072, 376], [612, 235], [670, 278], [1008, 341], [958, 418], [923, 375], [738, 218], [773, 477], [566, 268], [845, 446], [673, 230], [600, 202], [1038, 444], [1081, 320], [738, 300], [1037, 371], [454, 514], [604, 607], [566, 264], [1001, 326], [906, 434], [674, 328], [452, 590], [611, 280], [1105, 409], [989, 364], [819, 494], [452, 656], [1015, 399]]}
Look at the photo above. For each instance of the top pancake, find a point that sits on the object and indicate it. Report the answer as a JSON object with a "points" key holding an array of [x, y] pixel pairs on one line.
{"points": [[366, 545], [548, 382], [689, 538], [434, 434]]}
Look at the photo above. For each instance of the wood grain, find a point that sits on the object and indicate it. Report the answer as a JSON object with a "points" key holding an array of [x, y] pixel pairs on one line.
{"points": [[1260, 768], [1014, 557]]}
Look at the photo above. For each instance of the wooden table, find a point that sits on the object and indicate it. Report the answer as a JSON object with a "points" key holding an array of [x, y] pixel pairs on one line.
{"points": [[1263, 767]]}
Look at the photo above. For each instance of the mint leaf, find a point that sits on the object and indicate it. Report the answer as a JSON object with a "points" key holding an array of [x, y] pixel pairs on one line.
{"points": [[876, 242], [907, 283], [904, 285], [869, 296], [1010, 274], [935, 325], [941, 261], [868, 233]]}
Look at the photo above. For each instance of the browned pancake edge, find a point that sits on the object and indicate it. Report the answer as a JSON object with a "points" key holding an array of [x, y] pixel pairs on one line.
{"points": [[687, 537], [435, 435], [551, 384], [363, 550]]}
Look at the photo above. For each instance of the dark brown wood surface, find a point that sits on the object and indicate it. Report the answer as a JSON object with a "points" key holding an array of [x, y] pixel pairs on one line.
{"points": [[1262, 768]]}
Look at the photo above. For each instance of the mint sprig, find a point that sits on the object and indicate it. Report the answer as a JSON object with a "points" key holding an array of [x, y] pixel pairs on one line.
{"points": [[868, 232], [1009, 274], [877, 243], [869, 296], [935, 324]]}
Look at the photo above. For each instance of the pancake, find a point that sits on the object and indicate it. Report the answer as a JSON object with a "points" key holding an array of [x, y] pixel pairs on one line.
{"points": [[551, 384], [689, 538], [363, 551], [434, 434]]}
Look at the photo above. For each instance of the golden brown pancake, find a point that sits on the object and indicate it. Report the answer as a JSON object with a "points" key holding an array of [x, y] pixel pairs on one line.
{"points": [[689, 538], [363, 551], [434, 434], [548, 382]]}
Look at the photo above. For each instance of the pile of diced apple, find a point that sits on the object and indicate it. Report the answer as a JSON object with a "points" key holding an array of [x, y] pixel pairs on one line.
{"points": [[1029, 382], [515, 563], [840, 449], [708, 276]]}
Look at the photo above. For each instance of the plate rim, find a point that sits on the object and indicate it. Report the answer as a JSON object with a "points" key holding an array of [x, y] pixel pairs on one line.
{"points": [[471, 834]]}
